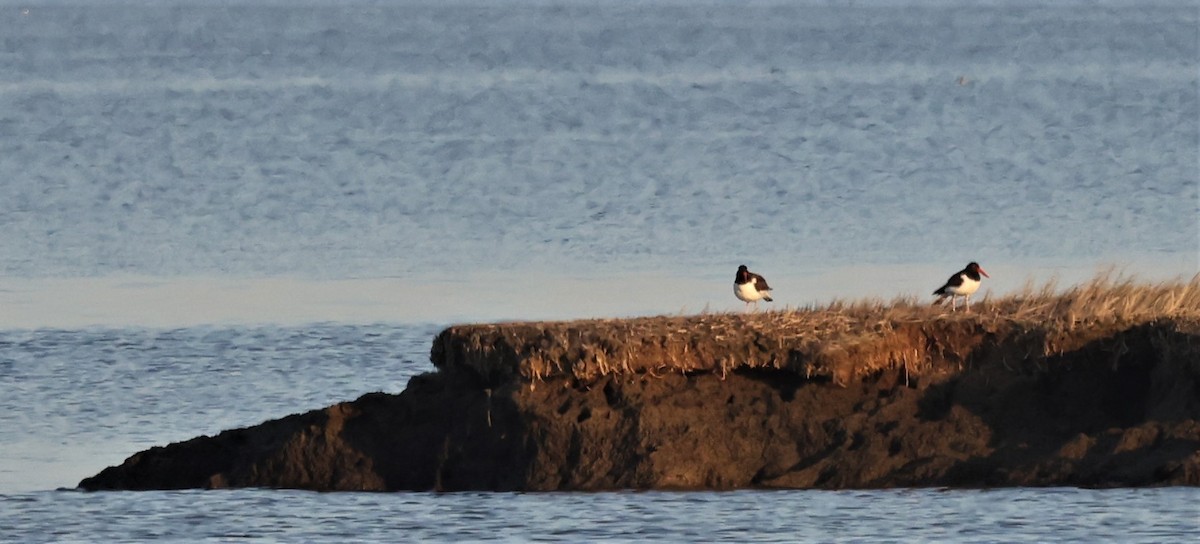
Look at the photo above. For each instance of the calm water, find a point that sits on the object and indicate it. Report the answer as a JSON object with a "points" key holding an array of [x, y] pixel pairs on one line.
{"points": [[77, 401], [1017, 515], [418, 139], [214, 215]]}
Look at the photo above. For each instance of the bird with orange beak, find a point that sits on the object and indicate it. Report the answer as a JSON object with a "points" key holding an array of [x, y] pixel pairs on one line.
{"points": [[963, 283]]}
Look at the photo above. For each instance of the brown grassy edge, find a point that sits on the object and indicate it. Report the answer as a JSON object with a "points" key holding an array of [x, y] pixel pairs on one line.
{"points": [[839, 341]]}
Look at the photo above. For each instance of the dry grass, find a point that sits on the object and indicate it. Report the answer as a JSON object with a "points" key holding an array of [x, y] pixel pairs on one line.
{"points": [[1107, 298], [836, 341]]}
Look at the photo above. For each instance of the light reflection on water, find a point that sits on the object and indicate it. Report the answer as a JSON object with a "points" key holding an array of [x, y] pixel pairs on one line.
{"points": [[1009, 515]]}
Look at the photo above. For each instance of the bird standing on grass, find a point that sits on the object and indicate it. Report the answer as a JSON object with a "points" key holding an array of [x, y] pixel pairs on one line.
{"points": [[963, 283], [750, 287]]}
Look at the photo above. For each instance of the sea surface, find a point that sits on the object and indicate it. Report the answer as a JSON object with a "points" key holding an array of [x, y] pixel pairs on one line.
{"points": [[214, 214], [917, 515]]}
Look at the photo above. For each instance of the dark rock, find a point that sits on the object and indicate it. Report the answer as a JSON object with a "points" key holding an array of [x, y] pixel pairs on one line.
{"points": [[1122, 410]]}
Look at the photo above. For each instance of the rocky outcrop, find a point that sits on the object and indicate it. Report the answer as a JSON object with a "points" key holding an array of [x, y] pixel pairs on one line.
{"points": [[727, 401]]}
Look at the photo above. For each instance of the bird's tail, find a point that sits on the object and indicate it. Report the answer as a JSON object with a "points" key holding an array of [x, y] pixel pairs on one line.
{"points": [[768, 298]]}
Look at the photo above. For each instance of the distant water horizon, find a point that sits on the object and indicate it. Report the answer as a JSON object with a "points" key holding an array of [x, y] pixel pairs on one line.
{"points": [[543, 138], [487, 296]]}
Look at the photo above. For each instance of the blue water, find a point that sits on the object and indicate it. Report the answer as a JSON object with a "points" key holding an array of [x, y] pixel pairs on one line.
{"points": [[218, 214], [1016, 515], [78, 401], [376, 139]]}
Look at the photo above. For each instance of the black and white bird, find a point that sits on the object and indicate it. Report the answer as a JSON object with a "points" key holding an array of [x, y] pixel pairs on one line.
{"points": [[750, 287], [963, 283]]}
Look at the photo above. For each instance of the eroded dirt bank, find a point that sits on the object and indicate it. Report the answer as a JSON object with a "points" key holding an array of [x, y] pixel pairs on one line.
{"points": [[951, 401]]}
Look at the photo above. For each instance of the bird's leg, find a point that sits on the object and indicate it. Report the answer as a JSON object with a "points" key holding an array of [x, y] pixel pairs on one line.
{"points": [[967, 303]]}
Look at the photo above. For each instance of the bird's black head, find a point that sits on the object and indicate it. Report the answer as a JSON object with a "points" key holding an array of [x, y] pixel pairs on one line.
{"points": [[974, 266]]}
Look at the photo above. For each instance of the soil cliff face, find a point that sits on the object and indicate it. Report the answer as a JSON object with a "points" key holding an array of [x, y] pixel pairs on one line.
{"points": [[719, 402]]}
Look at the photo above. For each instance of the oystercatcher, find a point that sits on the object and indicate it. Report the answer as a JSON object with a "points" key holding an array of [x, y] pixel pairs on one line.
{"points": [[963, 283], [750, 287]]}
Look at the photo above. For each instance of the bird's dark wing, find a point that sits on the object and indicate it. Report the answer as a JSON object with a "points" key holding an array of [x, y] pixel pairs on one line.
{"points": [[954, 281]]}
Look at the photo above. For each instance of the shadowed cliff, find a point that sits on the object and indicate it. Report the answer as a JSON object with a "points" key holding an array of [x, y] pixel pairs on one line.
{"points": [[1095, 386]]}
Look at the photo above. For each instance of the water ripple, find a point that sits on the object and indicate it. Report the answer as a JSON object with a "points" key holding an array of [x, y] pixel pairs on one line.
{"points": [[1009, 515]]}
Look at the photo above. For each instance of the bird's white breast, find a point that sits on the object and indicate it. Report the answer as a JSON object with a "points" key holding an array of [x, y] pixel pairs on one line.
{"points": [[969, 286], [746, 292]]}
